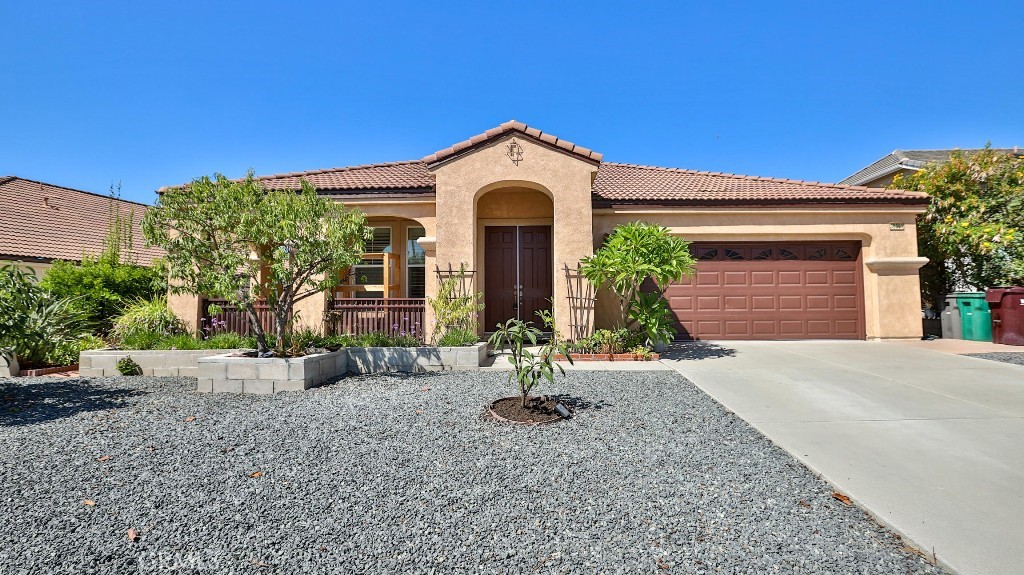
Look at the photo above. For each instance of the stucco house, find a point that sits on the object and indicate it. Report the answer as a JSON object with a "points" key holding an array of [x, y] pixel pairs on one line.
{"points": [[518, 208], [41, 223], [882, 172]]}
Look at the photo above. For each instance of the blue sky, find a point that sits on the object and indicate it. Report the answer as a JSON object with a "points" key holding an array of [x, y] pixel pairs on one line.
{"points": [[156, 93]]}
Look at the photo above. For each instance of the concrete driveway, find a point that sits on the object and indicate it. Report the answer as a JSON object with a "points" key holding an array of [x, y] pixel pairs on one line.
{"points": [[928, 442]]}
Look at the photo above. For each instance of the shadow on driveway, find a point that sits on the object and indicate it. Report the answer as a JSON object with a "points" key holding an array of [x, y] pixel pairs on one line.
{"points": [[697, 350], [35, 400]]}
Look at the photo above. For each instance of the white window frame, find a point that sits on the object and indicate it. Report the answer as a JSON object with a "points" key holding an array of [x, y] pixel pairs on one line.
{"points": [[408, 261]]}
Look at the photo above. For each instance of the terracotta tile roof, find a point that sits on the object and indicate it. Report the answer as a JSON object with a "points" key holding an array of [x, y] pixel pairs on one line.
{"points": [[510, 126], [615, 183], [633, 184], [410, 175], [41, 220]]}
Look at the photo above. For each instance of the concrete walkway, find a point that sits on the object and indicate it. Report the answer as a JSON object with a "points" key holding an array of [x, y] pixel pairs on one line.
{"points": [[928, 442]]}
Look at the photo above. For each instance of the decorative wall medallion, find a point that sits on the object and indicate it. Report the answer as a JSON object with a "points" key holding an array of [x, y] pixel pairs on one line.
{"points": [[515, 152]]}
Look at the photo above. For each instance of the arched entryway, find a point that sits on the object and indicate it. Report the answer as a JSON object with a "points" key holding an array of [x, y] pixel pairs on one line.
{"points": [[516, 258]]}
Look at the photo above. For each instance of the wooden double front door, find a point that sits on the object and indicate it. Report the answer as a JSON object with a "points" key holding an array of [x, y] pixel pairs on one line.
{"points": [[517, 273]]}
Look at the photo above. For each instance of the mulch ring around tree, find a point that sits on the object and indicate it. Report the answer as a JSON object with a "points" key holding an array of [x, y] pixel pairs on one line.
{"points": [[537, 410]]}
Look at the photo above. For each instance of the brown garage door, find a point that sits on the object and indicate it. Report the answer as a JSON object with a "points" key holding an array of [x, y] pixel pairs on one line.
{"points": [[771, 291]]}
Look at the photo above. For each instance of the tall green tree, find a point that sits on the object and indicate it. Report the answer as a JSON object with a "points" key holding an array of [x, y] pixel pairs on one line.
{"points": [[237, 240], [973, 231]]}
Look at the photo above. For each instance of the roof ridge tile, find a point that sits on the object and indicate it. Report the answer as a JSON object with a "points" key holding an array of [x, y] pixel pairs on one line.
{"points": [[510, 126]]}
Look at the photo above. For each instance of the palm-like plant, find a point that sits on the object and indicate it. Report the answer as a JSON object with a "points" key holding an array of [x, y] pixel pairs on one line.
{"points": [[34, 323]]}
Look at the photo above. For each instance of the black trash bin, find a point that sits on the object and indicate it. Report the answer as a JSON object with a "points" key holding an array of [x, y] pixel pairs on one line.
{"points": [[1007, 305]]}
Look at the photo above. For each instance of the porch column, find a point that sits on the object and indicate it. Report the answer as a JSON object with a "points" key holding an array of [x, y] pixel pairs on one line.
{"points": [[573, 232]]}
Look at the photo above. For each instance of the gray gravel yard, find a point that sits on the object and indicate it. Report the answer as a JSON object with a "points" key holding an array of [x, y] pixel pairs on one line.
{"points": [[1016, 358], [400, 474]]}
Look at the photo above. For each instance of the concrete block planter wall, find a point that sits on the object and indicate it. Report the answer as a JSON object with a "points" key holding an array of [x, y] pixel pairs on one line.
{"points": [[226, 374], [9, 369], [155, 362], [416, 359]]}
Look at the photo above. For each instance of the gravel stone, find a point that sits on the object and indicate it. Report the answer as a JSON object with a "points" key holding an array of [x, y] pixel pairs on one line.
{"points": [[402, 474], [1014, 357]]}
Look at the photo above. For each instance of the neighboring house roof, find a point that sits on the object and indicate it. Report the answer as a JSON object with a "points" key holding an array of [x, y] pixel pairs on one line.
{"points": [[907, 160], [615, 183], [41, 221], [512, 126], [633, 184]]}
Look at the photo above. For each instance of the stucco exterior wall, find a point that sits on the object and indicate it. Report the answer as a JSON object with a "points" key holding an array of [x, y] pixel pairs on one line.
{"points": [[38, 268], [892, 302], [564, 178]]}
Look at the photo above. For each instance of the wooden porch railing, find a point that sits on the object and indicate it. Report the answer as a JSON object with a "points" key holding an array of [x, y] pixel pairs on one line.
{"points": [[358, 316], [235, 320]]}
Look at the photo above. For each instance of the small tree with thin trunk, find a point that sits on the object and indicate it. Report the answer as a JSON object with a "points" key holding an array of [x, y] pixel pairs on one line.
{"points": [[237, 240]]}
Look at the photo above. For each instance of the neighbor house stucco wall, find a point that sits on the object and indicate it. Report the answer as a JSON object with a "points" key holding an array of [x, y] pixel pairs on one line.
{"points": [[566, 179], [36, 267], [892, 302]]}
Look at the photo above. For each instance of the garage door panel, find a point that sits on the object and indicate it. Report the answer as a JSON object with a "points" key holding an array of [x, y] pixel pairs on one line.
{"points": [[706, 303], [817, 302], [736, 303], [818, 277], [847, 328], [709, 278], [731, 278], [791, 302], [790, 291], [844, 278], [844, 302], [790, 278], [737, 328]]}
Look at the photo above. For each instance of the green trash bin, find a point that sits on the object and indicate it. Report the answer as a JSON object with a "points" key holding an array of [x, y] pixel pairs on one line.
{"points": [[975, 316]]}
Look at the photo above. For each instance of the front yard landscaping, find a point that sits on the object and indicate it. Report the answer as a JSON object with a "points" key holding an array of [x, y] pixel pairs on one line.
{"points": [[402, 474], [1014, 357]]}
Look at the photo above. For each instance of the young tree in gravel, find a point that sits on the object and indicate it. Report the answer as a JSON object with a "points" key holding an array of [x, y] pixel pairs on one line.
{"points": [[237, 240], [634, 254], [973, 231]]}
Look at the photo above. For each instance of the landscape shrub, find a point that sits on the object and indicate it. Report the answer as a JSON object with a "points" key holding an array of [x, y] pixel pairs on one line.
{"points": [[150, 316], [455, 311], [459, 336], [38, 326], [127, 366], [638, 262], [228, 341], [102, 287], [67, 354]]}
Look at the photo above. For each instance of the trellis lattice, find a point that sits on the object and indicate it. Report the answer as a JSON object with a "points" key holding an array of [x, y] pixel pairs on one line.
{"points": [[582, 297]]}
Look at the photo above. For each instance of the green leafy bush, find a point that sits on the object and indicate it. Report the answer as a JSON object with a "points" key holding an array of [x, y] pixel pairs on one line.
{"points": [[456, 337], [36, 324], [227, 341], [101, 287], [147, 316], [127, 366], [638, 262], [67, 354], [455, 310]]}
